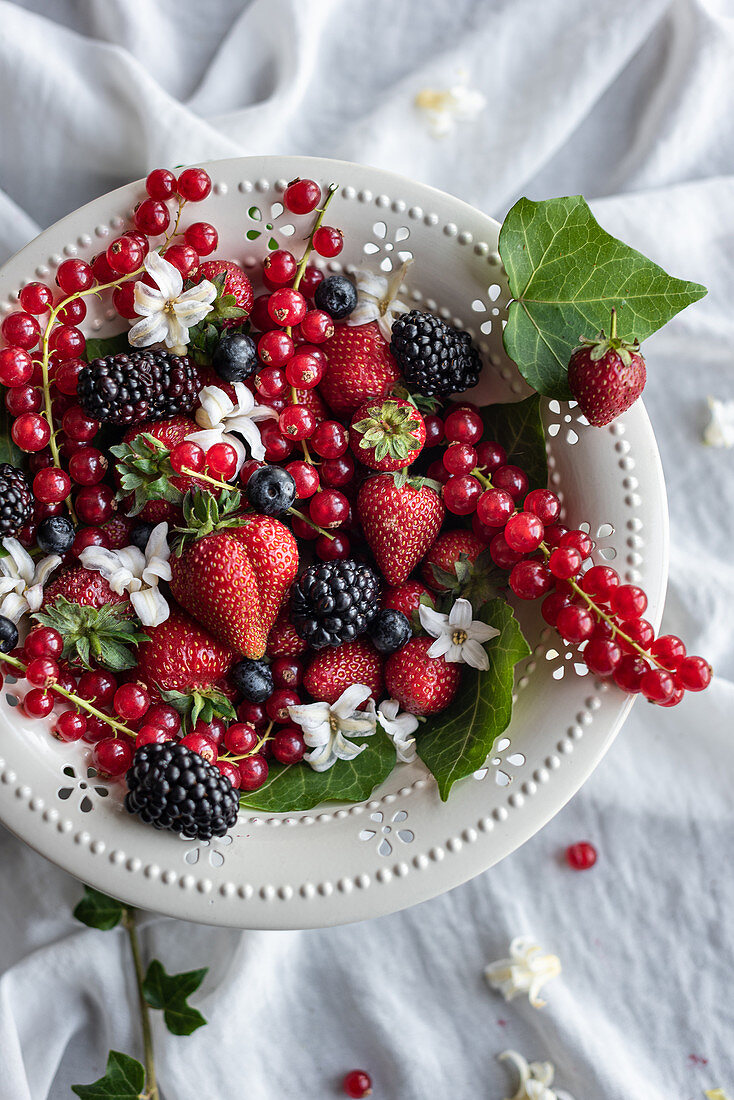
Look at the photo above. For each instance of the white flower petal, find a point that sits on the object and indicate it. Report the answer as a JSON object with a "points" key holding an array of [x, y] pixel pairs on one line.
{"points": [[252, 437], [481, 632], [311, 714], [441, 646], [178, 333], [453, 654], [322, 758], [45, 567], [350, 699], [406, 749], [150, 330], [167, 277], [525, 971], [216, 406], [11, 584], [245, 398], [157, 544], [190, 312], [147, 299], [13, 607], [207, 437], [432, 621], [388, 710], [371, 285], [363, 313], [150, 606], [460, 615], [23, 561], [719, 431], [204, 293], [346, 750], [472, 653]]}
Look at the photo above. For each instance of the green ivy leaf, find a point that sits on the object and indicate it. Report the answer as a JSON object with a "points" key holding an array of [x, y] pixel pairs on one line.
{"points": [[170, 993], [99, 347], [124, 1079], [99, 911], [298, 787], [519, 428], [8, 450], [565, 274], [459, 740]]}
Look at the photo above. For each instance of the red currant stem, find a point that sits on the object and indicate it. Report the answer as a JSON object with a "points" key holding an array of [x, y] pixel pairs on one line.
{"points": [[608, 619], [306, 452], [482, 478], [204, 477], [129, 923], [75, 699], [310, 522], [174, 231], [256, 748]]}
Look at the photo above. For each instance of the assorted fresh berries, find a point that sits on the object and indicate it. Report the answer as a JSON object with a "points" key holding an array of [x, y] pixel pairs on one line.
{"points": [[319, 491]]}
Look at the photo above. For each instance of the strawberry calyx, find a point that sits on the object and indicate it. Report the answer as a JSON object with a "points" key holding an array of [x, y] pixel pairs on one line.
{"points": [[422, 402], [204, 514], [199, 704], [145, 472], [94, 636], [204, 336], [477, 581], [388, 431], [601, 345], [403, 479]]}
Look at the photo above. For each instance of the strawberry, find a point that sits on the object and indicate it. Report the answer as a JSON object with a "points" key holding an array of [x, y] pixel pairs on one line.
{"points": [[421, 684], [361, 366], [236, 283], [406, 597], [94, 621], [189, 667], [399, 523], [118, 531], [447, 551], [283, 640], [387, 434], [606, 375], [156, 493], [234, 579], [332, 671]]}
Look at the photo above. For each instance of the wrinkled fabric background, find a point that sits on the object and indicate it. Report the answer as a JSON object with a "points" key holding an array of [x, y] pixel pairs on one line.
{"points": [[632, 103]]}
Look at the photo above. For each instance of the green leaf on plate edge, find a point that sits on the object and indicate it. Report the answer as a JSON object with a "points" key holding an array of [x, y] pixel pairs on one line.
{"points": [[99, 347], [565, 274], [124, 1079], [298, 787], [519, 428], [457, 742], [8, 450]]}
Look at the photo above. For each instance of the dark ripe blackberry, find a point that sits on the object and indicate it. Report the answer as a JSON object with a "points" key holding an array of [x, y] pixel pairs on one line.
{"points": [[171, 787], [433, 356], [135, 386], [334, 602], [16, 500]]}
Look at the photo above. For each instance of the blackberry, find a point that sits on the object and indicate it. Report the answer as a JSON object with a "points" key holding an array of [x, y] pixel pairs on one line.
{"points": [[334, 602], [16, 500], [135, 386], [433, 356], [171, 787]]}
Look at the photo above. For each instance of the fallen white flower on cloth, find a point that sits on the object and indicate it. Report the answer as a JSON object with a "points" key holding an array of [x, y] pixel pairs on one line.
{"points": [[136, 572], [444, 107], [535, 1078], [459, 638], [378, 299], [325, 726], [399, 728], [719, 432], [223, 420], [168, 311], [526, 971], [22, 580]]}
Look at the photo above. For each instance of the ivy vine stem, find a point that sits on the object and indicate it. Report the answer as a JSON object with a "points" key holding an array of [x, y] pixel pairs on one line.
{"points": [[129, 922]]}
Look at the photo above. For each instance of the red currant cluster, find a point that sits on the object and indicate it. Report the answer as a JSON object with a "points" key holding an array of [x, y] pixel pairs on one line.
{"points": [[118, 718], [589, 607]]}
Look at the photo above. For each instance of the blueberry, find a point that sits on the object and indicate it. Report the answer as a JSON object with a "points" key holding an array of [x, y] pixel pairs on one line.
{"points": [[271, 490], [55, 534], [336, 295], [140, 534], [235, 357], [389, 631], [253, 679], [8, 635]]}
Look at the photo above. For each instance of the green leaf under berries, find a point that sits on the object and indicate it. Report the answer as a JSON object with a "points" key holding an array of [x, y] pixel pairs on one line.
{"points": [[124, 1079], [457, 742], [202, 704], [294, 787], [99, 347], [94, 636], [145, 472], [518, 426], [99, 911], [565, 274], [170, 993], [204, 513], [8, 450]]}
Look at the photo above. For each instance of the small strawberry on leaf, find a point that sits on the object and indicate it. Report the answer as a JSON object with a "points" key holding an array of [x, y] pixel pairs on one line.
{"points": [[606, 375], [459, 564]]}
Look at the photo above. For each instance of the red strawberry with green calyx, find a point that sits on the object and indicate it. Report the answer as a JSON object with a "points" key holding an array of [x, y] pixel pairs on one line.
{"points": [[332, 671], [606, 375], [361, 367], [232, 571], [459, 562], [400, 519], [421, 684], [387, 434], [231, 281]]}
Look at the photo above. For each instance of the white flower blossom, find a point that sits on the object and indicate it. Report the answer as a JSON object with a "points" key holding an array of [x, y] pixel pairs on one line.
{"points": [[137, 573], [377, 299], [459, 638], [535, 1078], [444, 107], [224, 421], [325, 726], [399, 728], [169, 311], [719, 431], [22, 580], [526, 971]]}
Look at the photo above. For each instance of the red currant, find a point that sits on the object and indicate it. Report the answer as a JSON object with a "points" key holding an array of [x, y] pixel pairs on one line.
{"points": [[51, 485], [303, 371], [297, 422], [112, 756], [203, 237], [277, 447], [252, 714], [602, 655], [102, 271], [160, 183], [328, 241], [194, 184], [183, 257], [694, 673], [88, 467], [524, 532], [494, 507], [279, 268], [44, 641], [553, 535], [667, 649], [221, 459], [73, 312], [657, 685], [97, 687], [16, 367], [187, 456], [200, 744], [512, 479], [502, 554], [581, 856], [287, 306], [357, 1084], [289, 746], [577, 540], [460, 494], [638, 630], [463, 426], [74, 275], [88, 536], [260, 316], [438, 472], [36, 298], [95, 504], [66, 376], [629, 672], [544, 504], [564, 562], [70, 726], [552, 605], [131, 701], [23, 399], [490, 456], [575, 624], [152, 217], [302, 196], [336, 548], [30, 432], [271, 382], [305, 476], [330, 439], [253, 772], [337, 472], [21, 330], [240, 738], [628, 600], [530, 579], [329, 508], [37, 703], [310, 279], [42, 671], [151, 735], [275, 348], [599, 582], [164, 716], [125, 255], [460, 458], [317, 326]]}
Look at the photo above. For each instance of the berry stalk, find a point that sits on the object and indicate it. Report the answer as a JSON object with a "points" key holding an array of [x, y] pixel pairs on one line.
{"points": [[310, 523], [129, 922]]}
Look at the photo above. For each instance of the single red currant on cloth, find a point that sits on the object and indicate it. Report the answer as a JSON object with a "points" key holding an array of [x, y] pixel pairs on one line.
{"points": [[581, 856], [357, 1084], [606, 375]]}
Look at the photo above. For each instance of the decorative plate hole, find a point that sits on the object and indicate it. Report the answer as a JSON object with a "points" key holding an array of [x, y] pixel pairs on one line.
{"points": [[82, 785], [209, 849], [386, 831], [501, 760]]}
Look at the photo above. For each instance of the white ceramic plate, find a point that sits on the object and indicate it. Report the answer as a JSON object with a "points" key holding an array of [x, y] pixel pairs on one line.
{"points": [[344, 863]]}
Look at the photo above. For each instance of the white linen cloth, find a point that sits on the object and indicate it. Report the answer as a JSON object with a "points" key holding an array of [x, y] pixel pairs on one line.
{"points": [[630, 102]]}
